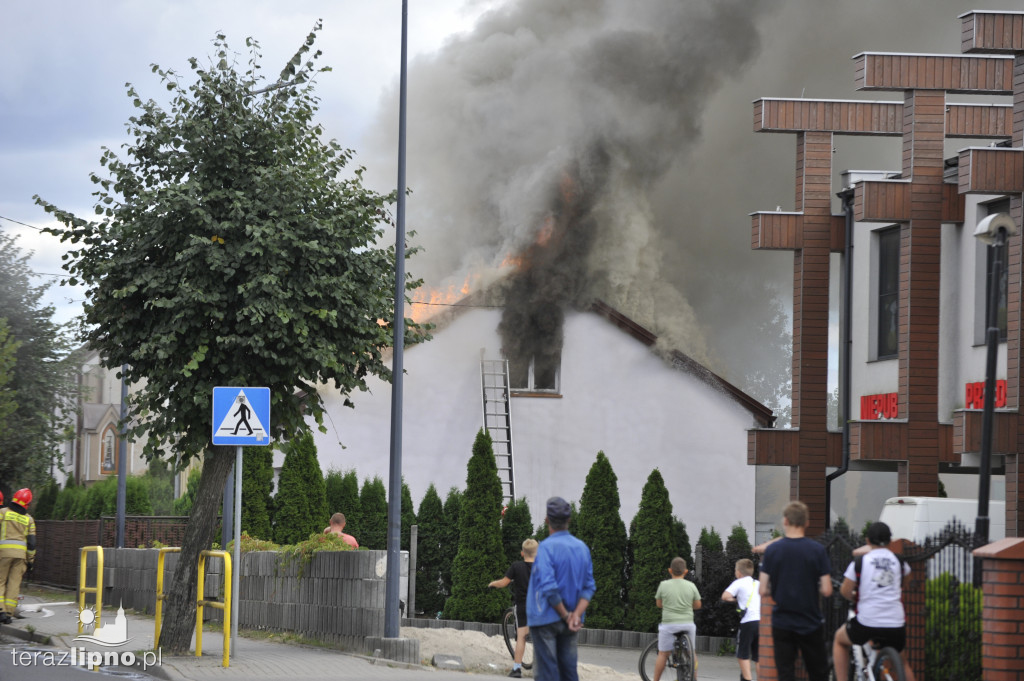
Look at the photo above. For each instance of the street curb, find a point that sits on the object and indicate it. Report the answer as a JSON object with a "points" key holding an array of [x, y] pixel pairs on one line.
{"points": [[30, 636]]}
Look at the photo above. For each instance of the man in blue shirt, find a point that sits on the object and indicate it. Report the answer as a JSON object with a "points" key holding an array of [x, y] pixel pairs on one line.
{"points": [[561, 586]]}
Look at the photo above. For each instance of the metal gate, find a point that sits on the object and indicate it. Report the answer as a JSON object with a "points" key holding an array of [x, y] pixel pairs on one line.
{"points": [[942, 603]]}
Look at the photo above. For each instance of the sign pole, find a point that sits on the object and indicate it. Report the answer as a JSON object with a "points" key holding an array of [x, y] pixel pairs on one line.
{"points": [[236, 567], [236, 408]]}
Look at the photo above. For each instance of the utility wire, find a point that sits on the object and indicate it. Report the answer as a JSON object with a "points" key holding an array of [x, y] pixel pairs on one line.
{"points": [[17, 222]]}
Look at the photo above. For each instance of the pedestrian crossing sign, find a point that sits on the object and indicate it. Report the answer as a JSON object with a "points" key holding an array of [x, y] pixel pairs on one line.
{"points": [[241, 416]]}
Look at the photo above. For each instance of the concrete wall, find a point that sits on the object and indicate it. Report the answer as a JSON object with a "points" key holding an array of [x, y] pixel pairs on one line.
{"points": [[337, 599]]}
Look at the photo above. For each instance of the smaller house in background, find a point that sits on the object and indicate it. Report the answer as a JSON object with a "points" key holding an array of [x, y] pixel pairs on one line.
{"points": [[92, 453]]}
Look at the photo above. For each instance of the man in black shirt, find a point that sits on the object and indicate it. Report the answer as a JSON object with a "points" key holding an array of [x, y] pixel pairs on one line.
{"points": [[518, 575]]}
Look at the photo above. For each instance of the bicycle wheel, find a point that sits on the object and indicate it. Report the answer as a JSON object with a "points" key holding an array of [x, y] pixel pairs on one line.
{"points": [[684, 658], [528, 652], [889, 666], [508, 630], [648, 658]]}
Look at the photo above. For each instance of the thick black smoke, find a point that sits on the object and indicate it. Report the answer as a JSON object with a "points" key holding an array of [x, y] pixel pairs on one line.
{"points": [[653, 97]]}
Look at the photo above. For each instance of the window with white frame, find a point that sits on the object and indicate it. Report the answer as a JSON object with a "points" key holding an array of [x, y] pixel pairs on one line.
{"points": [[887, 302], [534, 373], [1001, 206]]}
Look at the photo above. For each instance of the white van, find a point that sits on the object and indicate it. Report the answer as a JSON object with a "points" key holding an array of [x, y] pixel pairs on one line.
{"points": [[917, 518]]}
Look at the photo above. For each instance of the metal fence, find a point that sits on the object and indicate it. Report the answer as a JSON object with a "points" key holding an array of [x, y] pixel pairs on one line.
{"points": [[943, 606]]}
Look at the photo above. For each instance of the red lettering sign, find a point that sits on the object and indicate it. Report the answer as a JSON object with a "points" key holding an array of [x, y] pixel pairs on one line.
{"points": [[975, 394], [884, 406]]}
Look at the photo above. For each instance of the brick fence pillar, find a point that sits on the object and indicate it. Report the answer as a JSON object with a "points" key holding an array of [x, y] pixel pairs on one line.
{"points": [[766, 650], [1002, 614]]}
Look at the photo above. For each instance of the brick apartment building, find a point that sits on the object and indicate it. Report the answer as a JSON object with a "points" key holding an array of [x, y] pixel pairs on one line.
{"points": [[913, 313]]}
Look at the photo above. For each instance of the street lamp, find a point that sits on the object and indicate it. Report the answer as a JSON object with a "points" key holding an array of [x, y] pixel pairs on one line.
{"points": [[993, 231]]}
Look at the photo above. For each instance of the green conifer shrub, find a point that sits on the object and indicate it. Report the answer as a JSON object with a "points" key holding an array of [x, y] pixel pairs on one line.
{"points": [[430, 554], [351, 506], [738, 544], [450, 545], [718, 566], [408, 516], [257, 491], [652, 552], [516, 526], [601, 528], [373, 522], [681, 541], [183, 504], [67, 500], [300, 504], [45, 501], [480, 557]]}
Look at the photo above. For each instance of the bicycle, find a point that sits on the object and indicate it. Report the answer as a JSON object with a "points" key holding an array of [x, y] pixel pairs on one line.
{"points": [[680, 658], [872, 663], [509, 625]]}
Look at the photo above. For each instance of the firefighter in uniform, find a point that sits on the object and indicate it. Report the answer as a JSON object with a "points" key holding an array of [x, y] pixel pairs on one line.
{"points": [[17, 550]]}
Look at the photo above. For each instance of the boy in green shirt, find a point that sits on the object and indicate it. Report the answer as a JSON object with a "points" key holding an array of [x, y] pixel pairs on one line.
{"points": [[677, 598]]}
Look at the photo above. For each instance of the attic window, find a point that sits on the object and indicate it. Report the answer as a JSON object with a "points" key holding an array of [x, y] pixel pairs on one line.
{"points": [[536, 373]]}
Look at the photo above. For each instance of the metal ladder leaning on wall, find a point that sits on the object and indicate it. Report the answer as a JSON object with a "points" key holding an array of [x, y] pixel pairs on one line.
{"points": [[498, 420]]}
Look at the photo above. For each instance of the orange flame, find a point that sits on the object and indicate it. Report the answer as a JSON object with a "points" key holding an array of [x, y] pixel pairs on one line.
{"points": [[427, 302]]}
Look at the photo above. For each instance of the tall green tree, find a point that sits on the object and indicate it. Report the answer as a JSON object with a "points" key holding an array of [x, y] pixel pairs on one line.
{"points": [[480, 558], [652, 550], [257, 492], [232, 245], [516, 526], [300, 505], [8, 354], [601, 528], [373, 522], [450, 546], [37, 381], [430, 553]]}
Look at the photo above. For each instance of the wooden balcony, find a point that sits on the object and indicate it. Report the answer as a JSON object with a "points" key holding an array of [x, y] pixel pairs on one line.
{"points": [[967, 432], [771, 447], [878, 440], [991, 170], [950, 73]]}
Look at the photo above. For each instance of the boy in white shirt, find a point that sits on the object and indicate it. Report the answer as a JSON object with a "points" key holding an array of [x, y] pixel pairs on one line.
{"points": [[744, 593], [877, 594]]}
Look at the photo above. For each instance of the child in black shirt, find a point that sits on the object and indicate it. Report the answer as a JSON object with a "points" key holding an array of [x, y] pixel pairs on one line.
{"points": [[518, 575]]}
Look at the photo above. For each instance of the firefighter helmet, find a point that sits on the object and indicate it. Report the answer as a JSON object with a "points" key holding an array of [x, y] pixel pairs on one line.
{"points": [[23, 497]]}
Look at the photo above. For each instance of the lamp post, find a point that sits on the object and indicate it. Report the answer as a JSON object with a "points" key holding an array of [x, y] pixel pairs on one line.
{"points": [[993, 230]]}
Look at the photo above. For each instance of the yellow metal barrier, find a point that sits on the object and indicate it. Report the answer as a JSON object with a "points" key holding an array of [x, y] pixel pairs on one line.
{"points": [[83, 589], [160, 589], [224, 605]]}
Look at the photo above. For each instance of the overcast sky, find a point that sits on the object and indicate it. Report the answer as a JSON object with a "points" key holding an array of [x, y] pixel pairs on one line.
{"points": [[64, 65]]}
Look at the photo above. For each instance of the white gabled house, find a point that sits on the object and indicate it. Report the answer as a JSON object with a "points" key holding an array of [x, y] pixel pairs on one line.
{"points": [[606, 390]]}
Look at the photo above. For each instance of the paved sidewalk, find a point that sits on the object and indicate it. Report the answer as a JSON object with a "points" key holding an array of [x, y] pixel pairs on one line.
{"points": [[268, 660]]}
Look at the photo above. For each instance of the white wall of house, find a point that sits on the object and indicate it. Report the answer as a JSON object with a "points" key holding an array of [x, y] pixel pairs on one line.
{"points": [[617, 396]]}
